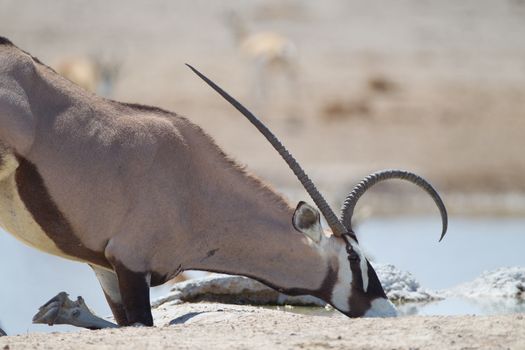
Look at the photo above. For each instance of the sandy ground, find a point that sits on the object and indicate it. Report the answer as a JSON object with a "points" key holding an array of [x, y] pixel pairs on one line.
{"points": [[219, 326]]}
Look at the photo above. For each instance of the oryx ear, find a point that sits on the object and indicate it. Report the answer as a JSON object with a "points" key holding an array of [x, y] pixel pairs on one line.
{"points": [[307, 220]]}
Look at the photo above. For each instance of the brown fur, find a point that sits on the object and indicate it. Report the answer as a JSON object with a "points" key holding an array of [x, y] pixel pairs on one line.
{"points": [[34, 194]]}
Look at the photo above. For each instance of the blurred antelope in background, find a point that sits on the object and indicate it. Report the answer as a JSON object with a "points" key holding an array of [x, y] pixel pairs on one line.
{"points": [[94, 74], [270, 55]]}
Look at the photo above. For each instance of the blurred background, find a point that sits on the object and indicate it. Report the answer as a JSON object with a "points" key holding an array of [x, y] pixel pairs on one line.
{"points": [[350, 87]]}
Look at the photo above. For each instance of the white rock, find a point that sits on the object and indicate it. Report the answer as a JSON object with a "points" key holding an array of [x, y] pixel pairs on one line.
{"points": [[505, 282], [399, 286], [235, 290]]}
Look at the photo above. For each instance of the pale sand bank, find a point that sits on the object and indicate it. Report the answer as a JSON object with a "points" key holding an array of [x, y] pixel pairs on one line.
{"points": [[220, 326]]}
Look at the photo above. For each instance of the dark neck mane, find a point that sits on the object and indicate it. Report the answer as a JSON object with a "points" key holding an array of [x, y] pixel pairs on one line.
{"points": [[5, 41]]}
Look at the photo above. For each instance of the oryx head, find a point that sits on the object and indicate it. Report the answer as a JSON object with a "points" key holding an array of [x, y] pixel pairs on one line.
{"points": [[352, 285]]}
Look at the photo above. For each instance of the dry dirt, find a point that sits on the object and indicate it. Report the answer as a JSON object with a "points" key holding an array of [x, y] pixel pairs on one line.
{"points": [[218, 326]]}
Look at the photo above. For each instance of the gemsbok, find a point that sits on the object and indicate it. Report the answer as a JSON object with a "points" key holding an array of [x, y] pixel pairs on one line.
{"points": [[91, 73], [142, 194], [269, 54]]}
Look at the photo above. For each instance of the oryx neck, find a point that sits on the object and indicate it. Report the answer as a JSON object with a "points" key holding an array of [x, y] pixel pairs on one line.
{"points": [[247, 228]]}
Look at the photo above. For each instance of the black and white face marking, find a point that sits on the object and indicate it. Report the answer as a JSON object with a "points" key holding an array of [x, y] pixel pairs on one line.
{"points": [[358, 291], [356, 256]]}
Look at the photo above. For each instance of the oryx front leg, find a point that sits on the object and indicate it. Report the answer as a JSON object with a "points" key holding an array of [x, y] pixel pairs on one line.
{"points": [[110, 286], [133, 284], [134, 289]]}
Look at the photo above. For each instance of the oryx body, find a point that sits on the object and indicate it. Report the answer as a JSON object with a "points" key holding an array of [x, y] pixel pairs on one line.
{"points": [[142, 194]]}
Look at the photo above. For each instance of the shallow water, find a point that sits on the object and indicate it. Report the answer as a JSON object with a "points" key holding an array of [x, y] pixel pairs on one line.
{"points": [[472, 246], [448, 306], [464, 306]]}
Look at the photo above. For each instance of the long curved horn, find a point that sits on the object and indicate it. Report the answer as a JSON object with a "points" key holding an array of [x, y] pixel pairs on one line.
{"points": [[372, 179], [337, 227]]}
